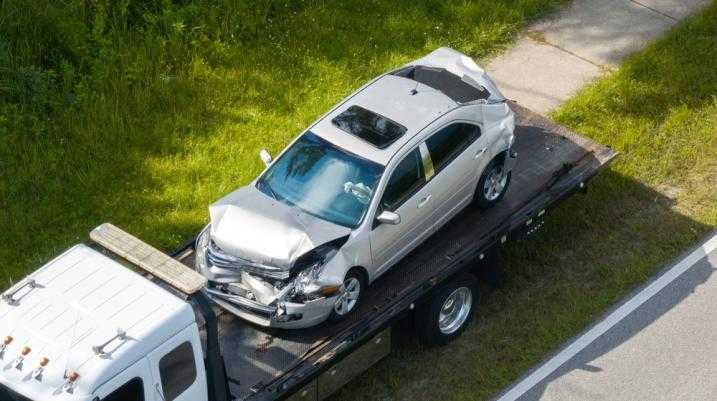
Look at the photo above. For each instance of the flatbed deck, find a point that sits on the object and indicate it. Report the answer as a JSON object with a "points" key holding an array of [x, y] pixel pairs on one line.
{"points": [[553, 162]]}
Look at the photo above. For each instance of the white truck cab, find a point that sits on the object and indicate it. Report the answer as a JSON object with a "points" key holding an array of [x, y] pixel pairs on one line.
{"points": [[84, 328]]}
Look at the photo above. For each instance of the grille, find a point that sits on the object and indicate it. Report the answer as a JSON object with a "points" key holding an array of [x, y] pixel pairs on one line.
{"points": [[217, 257]]}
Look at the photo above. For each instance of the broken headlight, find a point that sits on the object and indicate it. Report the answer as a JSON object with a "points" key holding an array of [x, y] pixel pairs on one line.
{"points": [[306, 285]]}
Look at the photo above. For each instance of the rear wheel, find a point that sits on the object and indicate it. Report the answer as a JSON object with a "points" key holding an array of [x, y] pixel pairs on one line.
{"points": [[493, 184], [350, 296], [448, 312]]}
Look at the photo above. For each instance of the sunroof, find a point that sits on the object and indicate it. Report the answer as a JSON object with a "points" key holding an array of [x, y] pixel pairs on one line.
{"points": [[369, 126], [445, 81]]}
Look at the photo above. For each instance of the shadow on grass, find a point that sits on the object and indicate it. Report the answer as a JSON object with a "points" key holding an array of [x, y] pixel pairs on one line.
{"points": [[593, 250]]}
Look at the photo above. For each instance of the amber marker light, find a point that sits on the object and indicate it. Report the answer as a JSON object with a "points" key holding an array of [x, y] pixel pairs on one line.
{"points": [[329, 290], [73, 377]]}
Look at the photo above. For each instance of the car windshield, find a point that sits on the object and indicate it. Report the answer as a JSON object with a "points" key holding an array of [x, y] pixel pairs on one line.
{"points": [[322, 180]]}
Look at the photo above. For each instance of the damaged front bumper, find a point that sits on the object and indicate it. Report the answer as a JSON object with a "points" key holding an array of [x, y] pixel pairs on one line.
{"points": [[264, 296], [283, 314]]}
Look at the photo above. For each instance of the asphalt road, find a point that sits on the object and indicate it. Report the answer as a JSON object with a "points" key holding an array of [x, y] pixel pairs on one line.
{"points": [[660, 343]]}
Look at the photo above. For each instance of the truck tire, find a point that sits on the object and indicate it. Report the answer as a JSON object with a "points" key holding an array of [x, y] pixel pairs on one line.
{"points": [[492, 186], [448, 311], [354, 286]]}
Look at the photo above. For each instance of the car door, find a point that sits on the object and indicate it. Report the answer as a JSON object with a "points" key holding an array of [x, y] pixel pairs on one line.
{"points": [[457, 153], [406, 194]]}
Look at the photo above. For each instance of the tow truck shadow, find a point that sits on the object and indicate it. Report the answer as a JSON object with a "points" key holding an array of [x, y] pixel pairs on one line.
{"points": [[588, 359], [592, 250], [626, 224]]}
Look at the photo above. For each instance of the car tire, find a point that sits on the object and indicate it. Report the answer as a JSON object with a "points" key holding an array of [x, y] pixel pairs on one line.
{"points": [[491, 186], [343, 308], [448, 311]]}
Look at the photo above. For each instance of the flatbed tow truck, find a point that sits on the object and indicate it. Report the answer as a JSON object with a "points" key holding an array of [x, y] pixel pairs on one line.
{"points": [[87, 327]]}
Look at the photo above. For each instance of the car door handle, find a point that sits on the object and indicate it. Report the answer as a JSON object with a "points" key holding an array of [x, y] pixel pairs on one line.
{"points": [[423, 201], [479, 152]]}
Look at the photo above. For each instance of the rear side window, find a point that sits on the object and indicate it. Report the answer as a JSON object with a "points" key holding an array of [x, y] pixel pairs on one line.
{"points": [[449, 142], [178, 371], [133, 390], [405, 180]]}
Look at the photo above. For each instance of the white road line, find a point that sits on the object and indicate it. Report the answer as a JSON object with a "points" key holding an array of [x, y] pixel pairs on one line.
{"points": [[615, 317]]}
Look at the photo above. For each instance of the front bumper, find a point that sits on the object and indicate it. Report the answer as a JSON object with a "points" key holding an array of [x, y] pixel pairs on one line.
{"points": [[290, 315]]}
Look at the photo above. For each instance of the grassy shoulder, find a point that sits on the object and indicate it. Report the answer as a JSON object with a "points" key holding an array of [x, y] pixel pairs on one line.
{"points": [[144, 112], [660, 196]]}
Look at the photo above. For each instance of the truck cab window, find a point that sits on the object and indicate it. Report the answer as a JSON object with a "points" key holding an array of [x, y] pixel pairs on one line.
{"points": [[178, 371], [133, 390]]}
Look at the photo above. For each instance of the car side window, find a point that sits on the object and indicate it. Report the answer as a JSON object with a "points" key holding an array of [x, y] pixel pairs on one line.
{"points": [[178, 371], [405, 180], [133, 390], [449, 142]]}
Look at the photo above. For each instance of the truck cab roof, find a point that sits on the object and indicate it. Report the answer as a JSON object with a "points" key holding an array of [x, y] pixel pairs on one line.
{"points": [[70, 312]]}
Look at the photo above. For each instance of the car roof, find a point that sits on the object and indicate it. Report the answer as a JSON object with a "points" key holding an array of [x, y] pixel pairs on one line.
{"points": [[81, 299], [402, 100]]}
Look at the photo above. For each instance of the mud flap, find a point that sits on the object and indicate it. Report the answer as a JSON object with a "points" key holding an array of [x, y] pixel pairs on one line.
{"points": [[510, 159]]}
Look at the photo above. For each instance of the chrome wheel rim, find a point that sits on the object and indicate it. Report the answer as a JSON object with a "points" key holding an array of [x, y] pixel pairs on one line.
{"points": [[495, 183], [455, 310], [349, 296]]}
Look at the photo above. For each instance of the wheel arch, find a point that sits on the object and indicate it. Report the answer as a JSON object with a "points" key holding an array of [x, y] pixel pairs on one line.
{"points": [[363, 271]]}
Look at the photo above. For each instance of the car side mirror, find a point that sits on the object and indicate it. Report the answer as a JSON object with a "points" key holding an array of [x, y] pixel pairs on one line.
{"points": [[387, 217], [265, 157]]}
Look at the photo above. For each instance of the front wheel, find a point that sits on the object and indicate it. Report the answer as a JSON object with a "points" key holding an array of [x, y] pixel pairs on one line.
{"points": [[350, 296], [493, 184], [448, 311]]}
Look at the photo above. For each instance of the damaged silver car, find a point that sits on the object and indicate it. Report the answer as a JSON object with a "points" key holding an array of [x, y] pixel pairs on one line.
{"points": [[359, 189]]}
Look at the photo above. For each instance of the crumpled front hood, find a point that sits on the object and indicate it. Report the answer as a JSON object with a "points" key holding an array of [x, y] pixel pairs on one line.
{"points": [[251, 225]]}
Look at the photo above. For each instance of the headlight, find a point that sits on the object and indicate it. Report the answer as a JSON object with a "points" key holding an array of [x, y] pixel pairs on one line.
{"points": [[305, 282], [200, 251], [306, 286]]}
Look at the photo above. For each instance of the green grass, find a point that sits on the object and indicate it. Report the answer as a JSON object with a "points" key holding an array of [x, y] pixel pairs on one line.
{"points": [[142, 115], [144, 112], [660, 196]]}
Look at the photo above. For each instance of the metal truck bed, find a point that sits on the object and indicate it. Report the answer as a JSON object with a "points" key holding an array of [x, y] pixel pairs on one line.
{"points": [[552, 163]]}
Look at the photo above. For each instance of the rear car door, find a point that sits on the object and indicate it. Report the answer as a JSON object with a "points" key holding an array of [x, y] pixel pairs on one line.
{"points": [[457, 152], [406, 194]]}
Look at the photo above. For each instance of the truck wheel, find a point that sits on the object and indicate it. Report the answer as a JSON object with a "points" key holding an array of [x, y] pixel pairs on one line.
{"points": [[448, 311], [350, 297], [492, 186]]}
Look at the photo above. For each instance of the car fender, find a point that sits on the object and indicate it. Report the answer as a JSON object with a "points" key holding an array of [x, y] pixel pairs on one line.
{"points": [[334, 270]]}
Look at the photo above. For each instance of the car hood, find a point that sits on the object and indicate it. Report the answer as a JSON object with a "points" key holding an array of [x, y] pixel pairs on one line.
{"points": [[250, 225]]}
